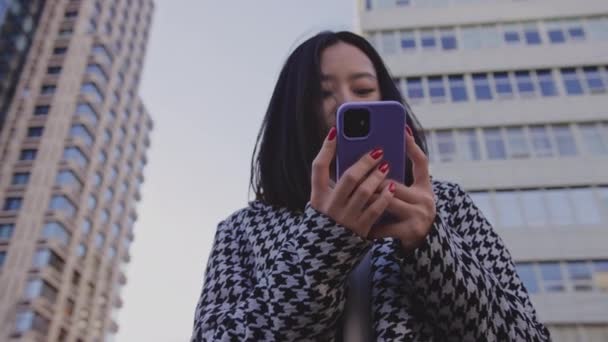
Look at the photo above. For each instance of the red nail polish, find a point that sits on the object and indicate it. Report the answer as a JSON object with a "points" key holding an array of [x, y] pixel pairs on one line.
{"points": [[391, 187], [409, 131], [332, 134], [383, 167], [377, 153]]}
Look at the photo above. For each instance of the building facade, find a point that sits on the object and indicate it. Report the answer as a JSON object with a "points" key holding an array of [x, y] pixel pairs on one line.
{"points": [[513, 96], [72, 153]]}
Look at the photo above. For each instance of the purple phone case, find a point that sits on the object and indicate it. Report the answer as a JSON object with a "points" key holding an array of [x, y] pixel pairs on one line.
{"points": [[387, 131]]}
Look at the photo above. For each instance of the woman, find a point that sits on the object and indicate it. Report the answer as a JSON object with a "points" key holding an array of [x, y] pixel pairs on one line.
{"points": [[303, 261]]}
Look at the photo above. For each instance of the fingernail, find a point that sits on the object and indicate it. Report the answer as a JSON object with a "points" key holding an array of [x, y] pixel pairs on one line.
{"points": [[383, 167], [377, 153], [409, 131], [332, 134], [391, 187]]}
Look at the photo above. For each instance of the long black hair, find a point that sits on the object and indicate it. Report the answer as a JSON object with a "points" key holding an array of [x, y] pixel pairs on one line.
{"points": [[293, 129]]}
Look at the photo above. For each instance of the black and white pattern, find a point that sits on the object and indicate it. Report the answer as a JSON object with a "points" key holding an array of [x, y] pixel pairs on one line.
{"points": [[275, 275]]}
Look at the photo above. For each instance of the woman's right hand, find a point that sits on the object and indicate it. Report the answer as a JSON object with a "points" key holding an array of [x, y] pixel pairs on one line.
{"points": [[351, 202]]}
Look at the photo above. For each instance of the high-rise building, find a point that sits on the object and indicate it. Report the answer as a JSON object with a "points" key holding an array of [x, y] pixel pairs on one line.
{"points": [[513, 98], [72, 152], [18, 21]]}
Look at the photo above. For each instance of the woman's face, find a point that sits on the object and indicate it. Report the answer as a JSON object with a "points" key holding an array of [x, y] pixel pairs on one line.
{"points": [[347, 75]]}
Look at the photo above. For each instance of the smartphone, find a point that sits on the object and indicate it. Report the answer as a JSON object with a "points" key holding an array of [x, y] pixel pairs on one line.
{"points": [[363, 126]]}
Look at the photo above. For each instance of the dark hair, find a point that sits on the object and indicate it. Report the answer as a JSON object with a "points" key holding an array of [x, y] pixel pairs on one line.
{"points": [[293, 129]]}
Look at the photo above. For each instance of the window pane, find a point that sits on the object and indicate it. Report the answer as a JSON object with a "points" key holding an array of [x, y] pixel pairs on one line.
{"points": [[468, 145], [534, 208], [512, 34], [62, 203], [427, 39], [436, 88], [528, 277], [446, 146], [508, 208], [408, 41], [598, 28], [585, 206], [389, 42], [414, 88], [531, 34], [592, 138], [571, 81], [552, 276], [490, 36], [541, 143], [580, 275], [518, 144], [458, 89], [482, 87], [564, 140], [483, 201], [502, 84], [495, 145], [448, 40], [79, 131], [594, 80], [546, 82], [524, 83], [471, 38], [600, 274], [559, 207]]}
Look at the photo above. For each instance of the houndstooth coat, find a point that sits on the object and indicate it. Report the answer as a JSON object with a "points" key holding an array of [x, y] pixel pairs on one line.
{"points": [[276, 275]]}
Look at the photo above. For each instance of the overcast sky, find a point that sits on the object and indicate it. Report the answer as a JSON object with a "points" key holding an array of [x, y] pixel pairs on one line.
{"points": [[209, 73]]}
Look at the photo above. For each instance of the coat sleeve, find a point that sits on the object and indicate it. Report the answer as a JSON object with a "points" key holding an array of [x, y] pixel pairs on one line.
{"points": [[463, 280], [299, 295]]}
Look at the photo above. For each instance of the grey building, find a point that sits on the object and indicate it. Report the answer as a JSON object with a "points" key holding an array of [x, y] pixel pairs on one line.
{"points": [[513, 97]]}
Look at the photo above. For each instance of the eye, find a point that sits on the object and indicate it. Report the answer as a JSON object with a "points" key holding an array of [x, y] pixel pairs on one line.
{"points": [[364, 91]]}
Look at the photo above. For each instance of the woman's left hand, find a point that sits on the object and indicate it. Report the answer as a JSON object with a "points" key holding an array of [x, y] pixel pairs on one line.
{"points": [[413, 206]]}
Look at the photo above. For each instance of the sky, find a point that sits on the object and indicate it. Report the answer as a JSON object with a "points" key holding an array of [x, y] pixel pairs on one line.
{"points": [[209, 73]]}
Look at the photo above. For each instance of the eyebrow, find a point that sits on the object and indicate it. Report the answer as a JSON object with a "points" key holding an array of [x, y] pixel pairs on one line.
{"points": [[352, 77]]}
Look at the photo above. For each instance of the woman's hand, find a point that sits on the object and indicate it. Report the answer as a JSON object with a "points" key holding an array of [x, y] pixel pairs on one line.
{"points": [[350, 202], [413, 206]]}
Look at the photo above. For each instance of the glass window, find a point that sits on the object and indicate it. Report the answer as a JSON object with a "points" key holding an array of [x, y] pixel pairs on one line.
{"points": [[524, 83], [95, 69], [105, 216], [113, 174], [42, 110], [471, 38], [28, 154], [415, 90], [81, 250], [99, 240], [97, 179], [61, 50], [427, 39], [546, 82], [86, 227], [87, 111], [108, 194], [24, 321], [502, 84], [53, 70], [534, 207], [389, 42], [580, 275], [12, 203], [531, 34], [575, 30], [448, 39], [6, 231], [512, 34], [115, 229], [458, 89], [446, 145], [482, 200], [528, 277], [552, 276], [92, 202], [20, 178], [560, 210], [598, 28], [111, 253], [541, 143], [555, 32], [91, 88], [408, 40], [482, 87], [436, 88], [74, 153], [79, 131], [102, 157], [517, 142], [495, 144], [594, 80], [600, 274], [468, 145], [56, 231], [592, 138], [585, 206], [101, 51], [571, 81], [68, 178], [62, 203], [490, 36], [34, 132], [564, 140], [508, 209]]}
